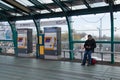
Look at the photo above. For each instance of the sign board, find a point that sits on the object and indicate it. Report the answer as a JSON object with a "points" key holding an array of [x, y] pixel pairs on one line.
{"points": [[42, 23]]}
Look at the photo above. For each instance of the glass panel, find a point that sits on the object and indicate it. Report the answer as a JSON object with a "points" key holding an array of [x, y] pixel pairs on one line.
{"points": [[7, 47], [92, 24], [25, 2], [117, 1], [16, 14], [92, 3], [117, 52], [78, 7], [117, 57], [6, 34], [100, 4], [45, 1], [117, 26], [44, 11], [5, 31], [6, 4], [57, 10], [38, 11], [102, 56]]}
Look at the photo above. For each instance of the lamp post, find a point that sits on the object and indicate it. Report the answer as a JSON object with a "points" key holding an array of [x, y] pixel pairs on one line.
{"points": [[100, 37], [100, 34]]}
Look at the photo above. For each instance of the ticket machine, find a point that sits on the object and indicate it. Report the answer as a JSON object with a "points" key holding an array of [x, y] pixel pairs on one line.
{"points": [[25, 45], [52, 42]]}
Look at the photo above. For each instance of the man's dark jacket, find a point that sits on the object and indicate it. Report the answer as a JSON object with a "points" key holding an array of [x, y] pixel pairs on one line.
{"points": [[90, 43]]}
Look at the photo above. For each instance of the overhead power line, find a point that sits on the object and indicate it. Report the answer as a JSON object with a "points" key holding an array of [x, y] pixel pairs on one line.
{"points": [[88, 21]]}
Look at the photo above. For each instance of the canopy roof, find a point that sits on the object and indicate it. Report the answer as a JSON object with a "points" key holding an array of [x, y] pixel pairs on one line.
{"points": [[29, 9]]}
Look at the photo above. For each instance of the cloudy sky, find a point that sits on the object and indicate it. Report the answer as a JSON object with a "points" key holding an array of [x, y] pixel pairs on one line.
{"points": [[90, 24]]}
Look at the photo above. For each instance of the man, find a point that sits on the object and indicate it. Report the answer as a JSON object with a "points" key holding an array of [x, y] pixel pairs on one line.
{"points": [[89, 46]]}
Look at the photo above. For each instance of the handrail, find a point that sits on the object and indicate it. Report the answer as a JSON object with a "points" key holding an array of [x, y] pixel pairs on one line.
{"points": [[94, 52], [6, 40], [82, 51]]}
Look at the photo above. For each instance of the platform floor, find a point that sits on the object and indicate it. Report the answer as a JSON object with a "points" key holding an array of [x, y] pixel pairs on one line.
{"points": [[15, 68]]}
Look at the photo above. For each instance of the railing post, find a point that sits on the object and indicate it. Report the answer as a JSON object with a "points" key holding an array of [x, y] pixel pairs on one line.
{"points": [[102, 56], [64, 54]]}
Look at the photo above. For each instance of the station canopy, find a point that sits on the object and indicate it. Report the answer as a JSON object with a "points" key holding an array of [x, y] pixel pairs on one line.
{"points": [[29, 9]]}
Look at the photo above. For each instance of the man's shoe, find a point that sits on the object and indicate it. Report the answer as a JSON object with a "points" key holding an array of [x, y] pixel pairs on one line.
{"points": [[82, 64]]}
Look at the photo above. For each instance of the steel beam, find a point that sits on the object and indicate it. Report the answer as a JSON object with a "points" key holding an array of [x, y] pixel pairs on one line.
{"points": [[17, 5], [86, 4], [96, 10], [39, 5]]}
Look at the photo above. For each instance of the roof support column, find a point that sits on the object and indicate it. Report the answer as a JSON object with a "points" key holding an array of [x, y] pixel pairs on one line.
{"points": [[68, 19], [112, 30], [14, 36], [37, 25]]}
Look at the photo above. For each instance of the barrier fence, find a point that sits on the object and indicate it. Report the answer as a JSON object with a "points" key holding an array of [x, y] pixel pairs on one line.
{"points": [[98, 55]]}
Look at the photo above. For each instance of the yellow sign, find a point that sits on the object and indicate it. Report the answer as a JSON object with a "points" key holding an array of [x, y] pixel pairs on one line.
{"points": [[42, 50], [40, 39]]}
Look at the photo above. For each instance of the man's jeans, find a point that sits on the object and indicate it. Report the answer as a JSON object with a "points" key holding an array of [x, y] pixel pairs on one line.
{"points": [[87, 55]]}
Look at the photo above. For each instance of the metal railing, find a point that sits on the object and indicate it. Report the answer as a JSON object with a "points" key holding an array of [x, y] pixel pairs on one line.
{"points": [[81, 53]]}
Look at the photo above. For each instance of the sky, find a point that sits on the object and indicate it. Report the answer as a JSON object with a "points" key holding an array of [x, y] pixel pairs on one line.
{"points": [[90, 24], [94, 22]]}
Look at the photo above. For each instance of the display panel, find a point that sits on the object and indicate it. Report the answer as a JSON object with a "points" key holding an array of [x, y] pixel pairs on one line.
{"points": [[22, 42], [47, 39], [50, 41], [22, 38]]}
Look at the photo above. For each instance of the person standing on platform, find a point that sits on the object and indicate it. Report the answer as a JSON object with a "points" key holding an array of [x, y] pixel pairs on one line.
{"points": [[89, 46]]}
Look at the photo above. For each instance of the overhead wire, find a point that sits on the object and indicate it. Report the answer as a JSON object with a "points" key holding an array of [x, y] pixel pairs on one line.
{"points": [[93, 21]]}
